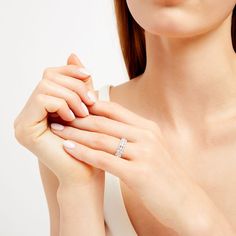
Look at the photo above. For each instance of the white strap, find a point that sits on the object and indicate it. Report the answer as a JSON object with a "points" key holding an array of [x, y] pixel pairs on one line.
{"points": [[104, 93]]}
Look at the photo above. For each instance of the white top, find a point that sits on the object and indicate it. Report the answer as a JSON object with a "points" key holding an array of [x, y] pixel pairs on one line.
{"points": [[115, 214]]}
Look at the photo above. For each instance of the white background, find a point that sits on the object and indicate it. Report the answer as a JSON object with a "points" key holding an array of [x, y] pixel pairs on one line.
{"points": [[35, 35]]}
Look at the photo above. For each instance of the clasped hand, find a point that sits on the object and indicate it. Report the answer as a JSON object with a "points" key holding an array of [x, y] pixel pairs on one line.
{"points": [[146, 166]]}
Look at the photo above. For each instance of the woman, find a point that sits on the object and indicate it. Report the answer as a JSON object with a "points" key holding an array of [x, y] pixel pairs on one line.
{"points": [[177, 113]]}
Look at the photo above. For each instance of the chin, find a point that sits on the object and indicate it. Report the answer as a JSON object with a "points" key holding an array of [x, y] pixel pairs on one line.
{"points": [[174, 23], [179, 18]]}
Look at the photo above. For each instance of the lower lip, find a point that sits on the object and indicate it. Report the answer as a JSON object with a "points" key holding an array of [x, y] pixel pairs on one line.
{"points": [[169, 2]]}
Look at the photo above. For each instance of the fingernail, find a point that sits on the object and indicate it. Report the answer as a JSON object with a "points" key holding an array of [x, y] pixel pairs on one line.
{"points": [[68, 144], [72, 115], [57, 126], [84, 108], [83, 72], [91, 96]]}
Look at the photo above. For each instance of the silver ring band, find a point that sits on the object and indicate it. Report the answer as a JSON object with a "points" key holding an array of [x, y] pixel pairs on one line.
{"points": [[121, 147]]}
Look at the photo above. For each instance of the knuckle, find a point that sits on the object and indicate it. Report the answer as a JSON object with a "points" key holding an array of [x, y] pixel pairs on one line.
{"points": [[72, 97], [47, 72], [149, 135], [21, 136], [99, 140], [97, 122]]}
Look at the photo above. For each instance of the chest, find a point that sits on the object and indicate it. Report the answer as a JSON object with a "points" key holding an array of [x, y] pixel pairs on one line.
{"points": [[213, 169], [210, 160]]}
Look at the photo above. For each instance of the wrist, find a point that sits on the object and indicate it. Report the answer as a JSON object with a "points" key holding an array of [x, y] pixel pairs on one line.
{"points": [[80, 206], [91, 191]]}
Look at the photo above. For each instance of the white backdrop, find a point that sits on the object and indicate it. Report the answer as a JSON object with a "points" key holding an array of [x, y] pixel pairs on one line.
{"points": [[35, 35]]}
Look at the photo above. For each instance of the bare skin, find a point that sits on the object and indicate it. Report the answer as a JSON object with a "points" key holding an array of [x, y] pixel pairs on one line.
{"points": [[64, 179], [209, 157], [195, 106], [190, 94]]}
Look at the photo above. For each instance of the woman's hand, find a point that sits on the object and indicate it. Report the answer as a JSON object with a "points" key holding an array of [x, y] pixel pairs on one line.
{"points": [[62, 93], [146, 166]]}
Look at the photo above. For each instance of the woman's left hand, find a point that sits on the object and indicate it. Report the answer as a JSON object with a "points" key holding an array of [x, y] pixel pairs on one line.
{"points": [[146, 166]]}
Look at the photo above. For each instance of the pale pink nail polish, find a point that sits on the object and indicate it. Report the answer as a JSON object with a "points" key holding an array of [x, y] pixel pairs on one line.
{"points": [[91, 96], [82, 72], [72, 115], [85, 109], [56, 126], [68, 144]]}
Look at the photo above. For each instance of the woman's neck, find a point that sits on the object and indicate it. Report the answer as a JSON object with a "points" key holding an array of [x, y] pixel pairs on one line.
{"points": [[190, 80]]}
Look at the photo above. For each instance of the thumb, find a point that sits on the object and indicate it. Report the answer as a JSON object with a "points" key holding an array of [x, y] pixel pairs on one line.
{"points": [[74, 60]]}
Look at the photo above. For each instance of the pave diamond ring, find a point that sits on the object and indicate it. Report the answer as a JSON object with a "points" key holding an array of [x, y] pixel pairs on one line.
{"points": [[121, 147]]}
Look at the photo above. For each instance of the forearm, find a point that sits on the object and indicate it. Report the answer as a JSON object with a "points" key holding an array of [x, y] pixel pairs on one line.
{"points": [[198, 215], [81, 210], [50, 185]]}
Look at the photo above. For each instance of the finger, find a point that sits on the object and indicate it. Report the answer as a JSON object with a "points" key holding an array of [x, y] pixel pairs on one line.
{"points": [[117, 112], [107, 126], [74, 60], [44, 104], [75, 85], [98, 159], [92, 140], [69, 70], [73, 100]]}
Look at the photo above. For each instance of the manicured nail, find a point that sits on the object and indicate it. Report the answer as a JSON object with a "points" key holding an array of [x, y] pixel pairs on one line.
{"points": [[72, 115], [83, 72], [84, 108], [68, 144], [91, 96], [57, 126]]}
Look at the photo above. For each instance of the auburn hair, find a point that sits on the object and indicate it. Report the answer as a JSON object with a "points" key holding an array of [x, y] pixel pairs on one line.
{"points": [[132, 39]]}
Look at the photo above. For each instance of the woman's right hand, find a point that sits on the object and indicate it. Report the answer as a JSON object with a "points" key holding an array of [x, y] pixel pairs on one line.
{"points": [[61, 92]]}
